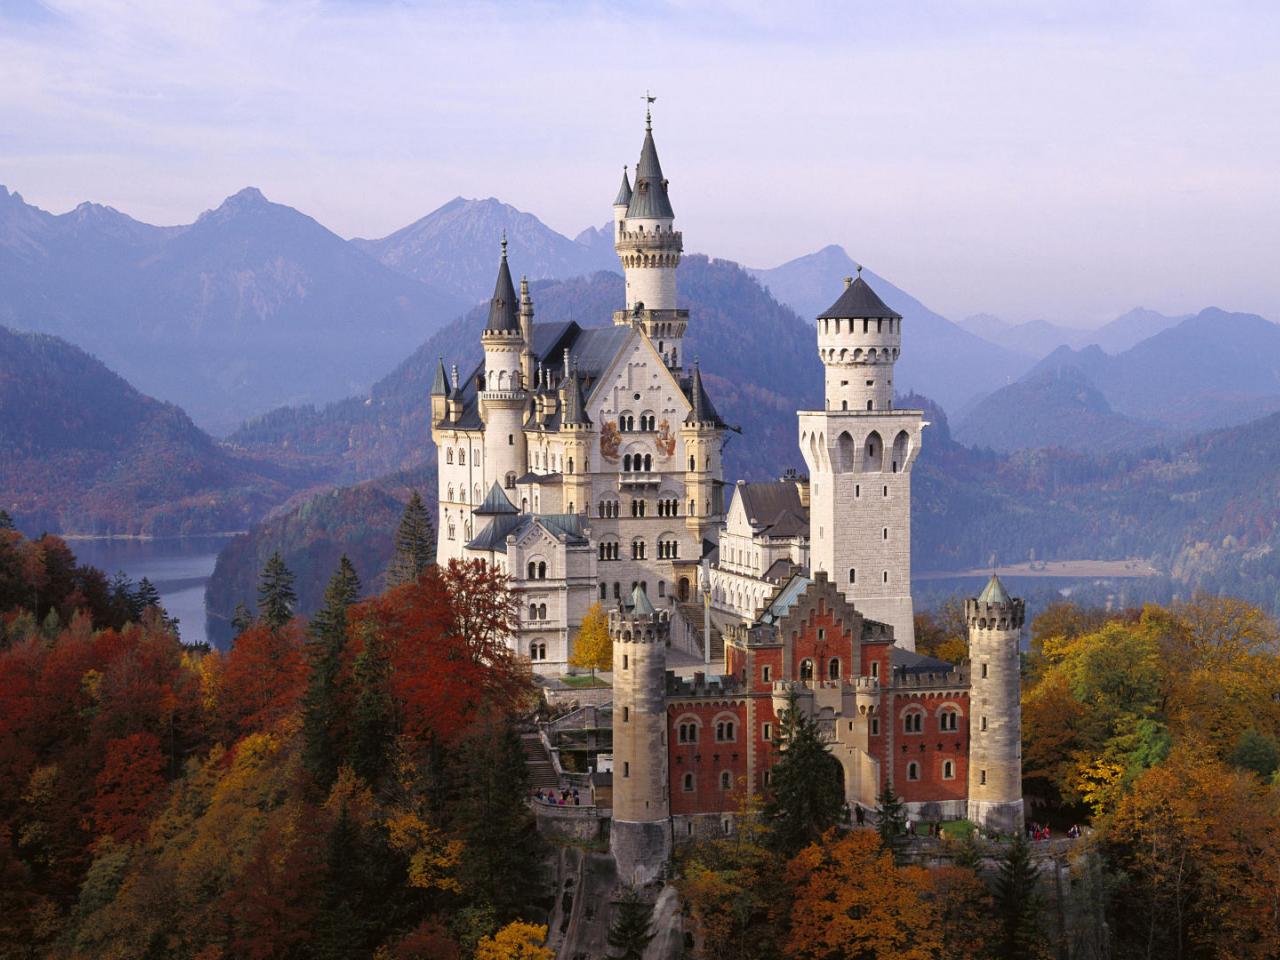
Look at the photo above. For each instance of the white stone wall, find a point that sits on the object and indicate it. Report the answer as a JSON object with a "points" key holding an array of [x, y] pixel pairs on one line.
{"points": [[995, 731], [858, 357], [460, 473]]}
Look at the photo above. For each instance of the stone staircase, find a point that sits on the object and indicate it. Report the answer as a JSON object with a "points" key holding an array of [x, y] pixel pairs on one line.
{"points": [[695, 616], [542, 775]]}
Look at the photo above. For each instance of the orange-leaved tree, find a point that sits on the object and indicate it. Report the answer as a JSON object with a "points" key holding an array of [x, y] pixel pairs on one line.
{"points": [[851, 902]]}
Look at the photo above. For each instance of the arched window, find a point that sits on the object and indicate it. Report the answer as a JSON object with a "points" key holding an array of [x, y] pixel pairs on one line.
{"points": [[648, 462], [626, 463], [726, 782], [448, 455], [462, 457], [533, 611], [533, 570], [948, 770], [692, 465], [604, 591], [833, 669], [510, 481], [542, 611], [688, 783], [542, 651], [853, 575], [949, 720], [806, 669], [913, 771], [913, 722], [533, 650], [571, 466], [542, 570]]}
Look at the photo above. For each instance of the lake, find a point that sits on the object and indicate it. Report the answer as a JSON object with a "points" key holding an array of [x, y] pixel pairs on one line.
{"points": [[178, 566]]}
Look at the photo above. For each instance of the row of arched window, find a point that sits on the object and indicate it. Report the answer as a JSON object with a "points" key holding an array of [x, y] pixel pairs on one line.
{"points": [[807, 668], [462, 456], [610, 550], [689, 783], [668, 550], [642, 584], [627, 423], [669, 507], [687, 731], [462, 494], [537, 570], [948, 770], [913, 720], [609, 509], [537, 650], [537, 611], [636, 463]]}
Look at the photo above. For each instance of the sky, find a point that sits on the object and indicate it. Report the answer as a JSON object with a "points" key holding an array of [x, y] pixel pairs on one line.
{"points": [[1060, 161]]}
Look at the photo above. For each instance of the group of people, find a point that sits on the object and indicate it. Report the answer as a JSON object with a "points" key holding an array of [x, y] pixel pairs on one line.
{"points": [[566, 797], [1038, 831]]}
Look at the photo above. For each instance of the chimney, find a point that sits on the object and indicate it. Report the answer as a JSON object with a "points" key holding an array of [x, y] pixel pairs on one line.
{"points": [[848, 282]]}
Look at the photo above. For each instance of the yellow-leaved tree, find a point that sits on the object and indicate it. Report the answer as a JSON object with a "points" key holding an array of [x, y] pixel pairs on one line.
{"points": [[592, 648], [516, 941]]}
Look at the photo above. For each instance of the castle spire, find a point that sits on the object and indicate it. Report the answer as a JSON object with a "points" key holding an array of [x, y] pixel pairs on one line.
{"points": [[649, 198], [502, 307], [624, 192]]}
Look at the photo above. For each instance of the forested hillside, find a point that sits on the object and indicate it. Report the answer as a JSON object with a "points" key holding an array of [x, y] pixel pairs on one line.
{"points": [[757, 357], [83, 451]]}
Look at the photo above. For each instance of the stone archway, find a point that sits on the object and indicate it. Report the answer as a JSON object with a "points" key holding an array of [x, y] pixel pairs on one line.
{"points": [[683, 590]]}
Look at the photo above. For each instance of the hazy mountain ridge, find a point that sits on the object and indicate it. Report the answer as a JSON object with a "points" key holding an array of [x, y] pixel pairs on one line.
{"points": [[455, 247], [1039, 338], [82, 451], [210, 315], [939, 358]]}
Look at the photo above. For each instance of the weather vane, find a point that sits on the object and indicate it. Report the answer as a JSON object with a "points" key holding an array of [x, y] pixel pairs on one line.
{"points": [[648, 99]]}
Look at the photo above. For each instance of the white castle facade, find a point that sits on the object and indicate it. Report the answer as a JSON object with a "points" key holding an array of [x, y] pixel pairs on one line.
{"points": [[587, 462]]}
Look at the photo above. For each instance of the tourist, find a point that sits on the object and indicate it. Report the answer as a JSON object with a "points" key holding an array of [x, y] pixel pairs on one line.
{"points": [[860, 814]]}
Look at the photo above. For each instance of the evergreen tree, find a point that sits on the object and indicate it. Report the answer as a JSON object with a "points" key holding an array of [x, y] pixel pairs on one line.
{"points": [[276, 597], [6, 521], [631, 929], [125, 607], [492, 818], [1017, 904], [807, 786], [340, 924], [241, 619], [415, 544], [373, 715], [320, 703], [891, 820], [146, 594]]}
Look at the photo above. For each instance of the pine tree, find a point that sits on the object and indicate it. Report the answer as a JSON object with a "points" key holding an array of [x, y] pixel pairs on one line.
{"points": [[807, 786], [372, 717], [1017, 904], [340, 926], [320, 703], [6, 521], [631, 929], [891, 820], [276, 597], [146, 594], [593, 647], [241, 620], [415, 544]]}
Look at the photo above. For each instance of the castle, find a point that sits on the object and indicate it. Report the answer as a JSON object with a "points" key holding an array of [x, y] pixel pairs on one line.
{"points": [[586, 464]]}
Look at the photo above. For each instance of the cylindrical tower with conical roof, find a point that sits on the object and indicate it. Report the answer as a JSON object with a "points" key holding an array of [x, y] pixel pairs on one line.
{"points": [[995, 709], [503, 399], [640, 836]]}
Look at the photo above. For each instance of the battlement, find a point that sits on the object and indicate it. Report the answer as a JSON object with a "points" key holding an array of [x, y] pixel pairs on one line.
{"points": [[702, 686], [650, 236], [639, 627], [995, 616], [902, 679]]}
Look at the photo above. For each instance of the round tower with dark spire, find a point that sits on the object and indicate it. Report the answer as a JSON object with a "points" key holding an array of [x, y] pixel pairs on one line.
{"points": [[640, 835], [503, 397], [995, 713], [702, 433], [649, 247]]}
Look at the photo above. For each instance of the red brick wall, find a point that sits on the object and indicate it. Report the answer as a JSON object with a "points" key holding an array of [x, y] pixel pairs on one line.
{"points": [[707, 758], [837, 642], [930, 748]]}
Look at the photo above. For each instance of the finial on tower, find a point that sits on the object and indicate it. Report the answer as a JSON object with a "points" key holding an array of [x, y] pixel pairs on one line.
{"points": [[648, 115], [859, 269], [504, 244]]}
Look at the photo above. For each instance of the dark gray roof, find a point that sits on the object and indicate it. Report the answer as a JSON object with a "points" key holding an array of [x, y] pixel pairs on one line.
{"points": [[649, 198], [440, 385], [860, 301], [781, 568], [495, 503], [502, 308], [907, 661], [532, 477], [640, 604], [702, 410], [764, 501], [624, 191], [575, 407], [994, 592], [494, 536]]}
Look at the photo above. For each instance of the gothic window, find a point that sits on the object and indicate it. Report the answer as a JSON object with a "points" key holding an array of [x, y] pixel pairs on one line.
{"points": [[724, 731], [475, 493], [913, 771], [451, 491], [948, 721], [806, 669], [833, 669], [452, 531], [533, 650], [571, 468]]}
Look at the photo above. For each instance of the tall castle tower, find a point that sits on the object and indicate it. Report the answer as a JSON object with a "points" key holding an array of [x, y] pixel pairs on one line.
{"points": [[504, 399], [860, 452], [640, 837], [995, 713], [650, 249]]}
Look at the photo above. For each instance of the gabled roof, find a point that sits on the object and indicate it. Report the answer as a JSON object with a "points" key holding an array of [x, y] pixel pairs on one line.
{"points": [[907, 661], [994, 592], [494, 537], [702, 410], [495, 503], [503, 305], [859, 301], [785, 598], [649, 199]]}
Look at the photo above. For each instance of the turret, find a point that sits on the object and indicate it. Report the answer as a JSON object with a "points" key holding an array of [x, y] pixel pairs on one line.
{"points": [[503, 398], [439, 394], [859, 338], [640, 835], [577, 433], [702, 433], [995, 717], [526, 334], [649, 247]]}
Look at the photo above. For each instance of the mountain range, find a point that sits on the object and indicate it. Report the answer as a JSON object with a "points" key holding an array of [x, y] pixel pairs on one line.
{"points": [[81, 450], [1209, 370], [1038, 338]]}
